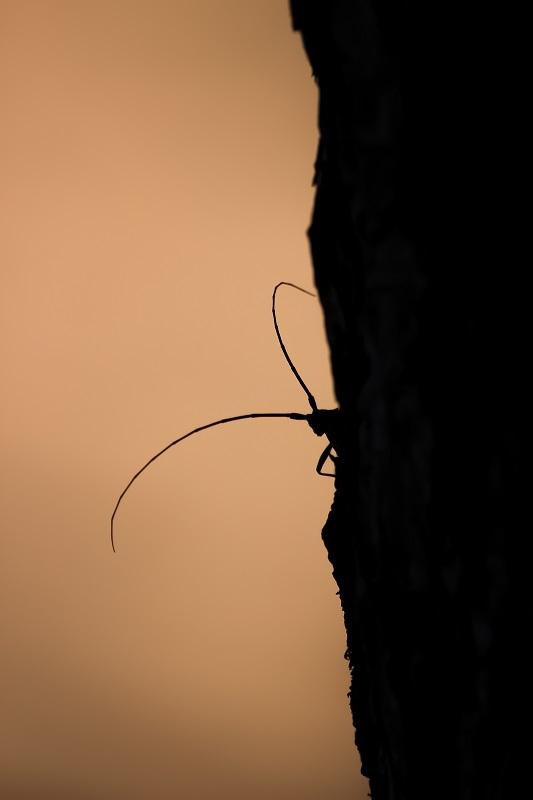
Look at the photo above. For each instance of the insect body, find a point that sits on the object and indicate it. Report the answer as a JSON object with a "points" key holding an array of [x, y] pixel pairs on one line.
{"points": [[321, 421]]}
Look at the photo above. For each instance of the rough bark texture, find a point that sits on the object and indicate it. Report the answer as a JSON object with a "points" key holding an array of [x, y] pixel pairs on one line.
{"points": [[420, 271]]}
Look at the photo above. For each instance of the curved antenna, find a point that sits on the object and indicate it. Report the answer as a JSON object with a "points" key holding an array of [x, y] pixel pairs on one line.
{"points": [[288, 415], [311, 399]]}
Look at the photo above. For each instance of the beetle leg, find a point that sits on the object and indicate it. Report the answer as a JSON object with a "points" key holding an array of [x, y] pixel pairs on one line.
{"points": [[322, 460]]}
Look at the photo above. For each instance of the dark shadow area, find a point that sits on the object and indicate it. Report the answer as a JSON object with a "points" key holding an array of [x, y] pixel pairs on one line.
{"points": [[418, 244]]}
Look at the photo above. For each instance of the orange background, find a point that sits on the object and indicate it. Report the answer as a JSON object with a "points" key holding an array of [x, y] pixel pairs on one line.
{"points": [[156, 183]]}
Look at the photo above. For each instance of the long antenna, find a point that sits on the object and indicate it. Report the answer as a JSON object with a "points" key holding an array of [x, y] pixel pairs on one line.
{"points": [[288, 415], [311, 399]]}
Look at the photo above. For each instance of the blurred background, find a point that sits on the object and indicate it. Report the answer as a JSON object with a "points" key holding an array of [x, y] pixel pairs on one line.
{"points": [[156, 161]]}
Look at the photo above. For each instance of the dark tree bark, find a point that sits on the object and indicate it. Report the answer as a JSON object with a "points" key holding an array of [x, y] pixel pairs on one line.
{"points": [[421, 273]]}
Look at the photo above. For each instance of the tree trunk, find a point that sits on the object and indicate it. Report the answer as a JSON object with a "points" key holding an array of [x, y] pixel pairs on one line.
{"points": [[419, 267]]}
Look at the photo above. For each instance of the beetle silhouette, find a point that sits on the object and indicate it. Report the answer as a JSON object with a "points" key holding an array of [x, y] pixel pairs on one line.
{"points": [[322, 422]]}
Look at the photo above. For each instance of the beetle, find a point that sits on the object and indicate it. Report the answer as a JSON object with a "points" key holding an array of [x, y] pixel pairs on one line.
{"points": [[322, 421]]}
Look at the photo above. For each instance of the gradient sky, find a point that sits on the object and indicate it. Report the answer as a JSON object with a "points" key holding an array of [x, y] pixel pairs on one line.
{"points": [[156, 183]]}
